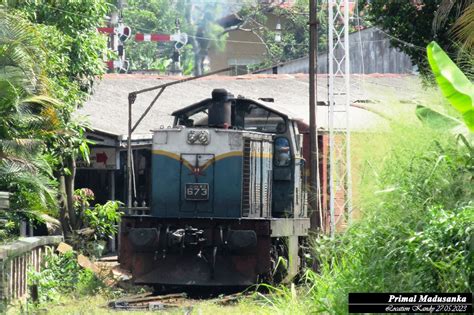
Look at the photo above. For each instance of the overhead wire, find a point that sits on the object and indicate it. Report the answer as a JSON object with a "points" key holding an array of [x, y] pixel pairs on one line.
{"points": [[401, 41], [394, 37], [251, 42]]}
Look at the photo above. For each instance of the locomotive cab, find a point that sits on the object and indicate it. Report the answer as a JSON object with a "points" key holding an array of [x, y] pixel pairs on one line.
{"points": [[228, 197], [245, 115]]}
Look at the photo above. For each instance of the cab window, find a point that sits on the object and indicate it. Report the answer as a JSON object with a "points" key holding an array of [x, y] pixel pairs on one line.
{"points": [[259, 119], [282, 152]]}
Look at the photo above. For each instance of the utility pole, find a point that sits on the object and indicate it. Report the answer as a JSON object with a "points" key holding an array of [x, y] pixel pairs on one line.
{"points": [[314, 161]]}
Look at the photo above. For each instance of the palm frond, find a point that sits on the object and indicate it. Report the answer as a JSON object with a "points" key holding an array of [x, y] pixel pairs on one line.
{"points": [[17, 163], [41, 100], [8, 95], [464, 27], [25, 147], [13, 174], [18, 48]]}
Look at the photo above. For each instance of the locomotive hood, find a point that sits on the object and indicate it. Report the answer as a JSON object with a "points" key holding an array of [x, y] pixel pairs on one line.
{"points": [[266, 103]]}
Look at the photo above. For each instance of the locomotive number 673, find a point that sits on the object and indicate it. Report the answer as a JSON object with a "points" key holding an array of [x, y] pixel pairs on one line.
{"points": [[228, 198]]}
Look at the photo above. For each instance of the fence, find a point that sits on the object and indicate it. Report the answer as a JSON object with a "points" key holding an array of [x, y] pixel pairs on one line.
{"points": [[16, 259]]}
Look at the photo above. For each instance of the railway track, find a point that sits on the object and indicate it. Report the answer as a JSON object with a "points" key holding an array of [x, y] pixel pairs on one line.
{"points": [[152, 302]]}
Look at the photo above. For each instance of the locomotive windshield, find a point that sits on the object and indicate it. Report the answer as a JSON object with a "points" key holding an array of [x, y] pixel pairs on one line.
{"points": [[245, 115]]}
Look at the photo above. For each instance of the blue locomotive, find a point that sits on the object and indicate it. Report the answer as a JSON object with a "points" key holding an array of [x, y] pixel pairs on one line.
{"points": [[228, 198]]}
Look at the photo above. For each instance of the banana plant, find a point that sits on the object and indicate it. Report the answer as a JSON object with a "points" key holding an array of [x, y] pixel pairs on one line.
{"points": [[437, 120], [454, 85]]}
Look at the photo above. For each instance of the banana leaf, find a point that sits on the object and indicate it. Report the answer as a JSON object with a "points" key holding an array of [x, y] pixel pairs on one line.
{"points": [[434, 119], [454, 85]]}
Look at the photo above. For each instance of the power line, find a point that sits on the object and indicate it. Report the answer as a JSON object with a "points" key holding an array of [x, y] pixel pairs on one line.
{"points": [[250, 42], [238, 41], [393, 37]]}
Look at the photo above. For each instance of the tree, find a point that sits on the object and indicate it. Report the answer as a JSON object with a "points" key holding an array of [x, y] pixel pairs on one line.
{"points": [[155, 16], [201, 23], [74, 60], [414, 24], [294, 34], [27, 111]]}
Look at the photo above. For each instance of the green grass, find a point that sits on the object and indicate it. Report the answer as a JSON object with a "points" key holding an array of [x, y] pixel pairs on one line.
{"points": [[414, 196], [97, 305]]}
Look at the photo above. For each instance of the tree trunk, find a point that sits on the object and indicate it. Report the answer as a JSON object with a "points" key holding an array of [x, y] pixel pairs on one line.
{"points": [[69, 183], [63, 211]]}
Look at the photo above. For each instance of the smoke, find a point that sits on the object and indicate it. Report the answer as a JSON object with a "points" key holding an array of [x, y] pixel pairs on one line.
{"points": [[202, 16]]}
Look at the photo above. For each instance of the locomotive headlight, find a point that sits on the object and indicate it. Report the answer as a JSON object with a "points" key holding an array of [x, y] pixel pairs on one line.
{"points": [[198, 137]]}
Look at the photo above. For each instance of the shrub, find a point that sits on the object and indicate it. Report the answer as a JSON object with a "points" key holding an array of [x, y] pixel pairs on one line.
{"points": [[416, 228], [61, 275], [95, 224], [103, 219]]}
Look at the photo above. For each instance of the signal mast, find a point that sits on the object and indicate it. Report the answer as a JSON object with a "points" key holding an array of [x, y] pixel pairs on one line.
{"points": [[119, 33]]}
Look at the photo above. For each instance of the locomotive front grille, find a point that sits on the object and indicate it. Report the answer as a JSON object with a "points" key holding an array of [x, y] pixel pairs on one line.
{"points": [[256, 178], [246, 174]]}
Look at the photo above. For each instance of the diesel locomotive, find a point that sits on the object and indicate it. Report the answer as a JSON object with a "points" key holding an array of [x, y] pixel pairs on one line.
{"points": [[228, 202]]}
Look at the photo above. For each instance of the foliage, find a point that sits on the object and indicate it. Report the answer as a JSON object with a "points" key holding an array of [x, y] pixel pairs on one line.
{"points": [[415, 234], [443, 248], [78, 57], [72, 60], [416, 227], [454, 85], [103, 219], [7, 226], [82, 199], [27, 112], [294, 35], [94, 225], [464, 27], [157, 16], [61, 275], [414, 24], [435, 119]]}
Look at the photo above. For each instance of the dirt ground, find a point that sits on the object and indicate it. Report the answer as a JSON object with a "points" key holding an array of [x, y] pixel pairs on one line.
{"points": [[141, 299]]}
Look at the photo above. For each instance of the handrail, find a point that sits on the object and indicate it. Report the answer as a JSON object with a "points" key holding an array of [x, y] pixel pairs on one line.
{"points": [[16, 259], [140, 211]]}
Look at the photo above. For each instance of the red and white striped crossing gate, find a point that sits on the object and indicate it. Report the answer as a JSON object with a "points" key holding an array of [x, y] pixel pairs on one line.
{"points": [[123, 33], [180, 38]]}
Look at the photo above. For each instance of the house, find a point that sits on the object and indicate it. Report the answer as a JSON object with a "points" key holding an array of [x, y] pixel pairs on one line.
{"points": [[244, 46], [107, 112], [370, 50]]}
